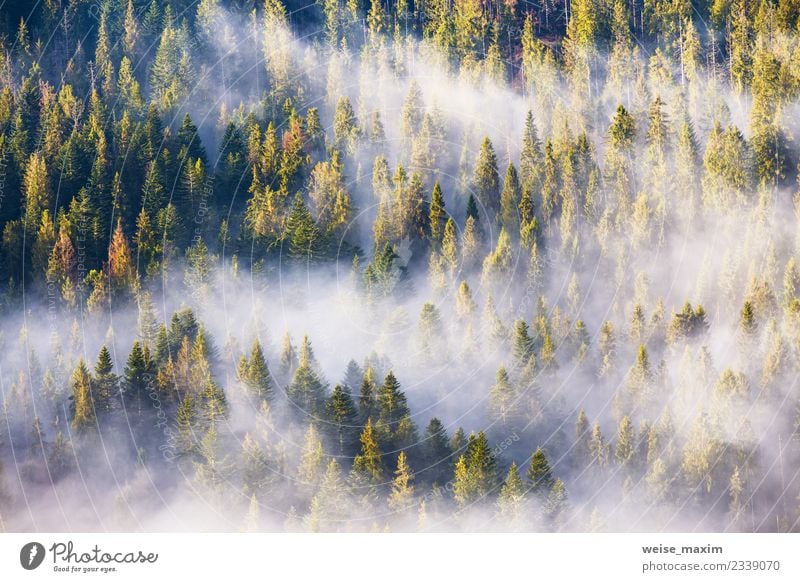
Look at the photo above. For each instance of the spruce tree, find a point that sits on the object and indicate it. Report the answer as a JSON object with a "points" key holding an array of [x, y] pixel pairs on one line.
{"points": [[367, 397], [312, 460], [369, 463], [186, 420], [139, 379], [624, 452], [105, 381], [523, 343], [392, 403], [301, 234], [342, 421], [437, 463], [307, 390], [394, 427], [83, 406], [510, 200], [512, 498], [504, 403], [486, 181], [475, 472], [257, 380], [401, 497], [254, 467], [557, 504], [437, 216], [540, 476]]}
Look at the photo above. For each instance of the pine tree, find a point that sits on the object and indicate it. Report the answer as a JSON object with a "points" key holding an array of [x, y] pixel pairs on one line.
{"points": [[369, 463], [523, 346], [622, 129], [83, 406], [475, 472], [186, 421], [128, 89], [437, 215], [257, 380], [741, 47], [395, 429], [504, 403], [459, 441], [36, 191], [343, 421], [463, 483], [213, 402], [436, 454], [345, 126], [625, 447], [214, 467], [307, 390], [147, 323], [510, 200], [540, 476], [105, 381], [470, 243], [301, 233], [450, 247], [376, 21], [130, 28], [582, 436], [657, 481], [486, 181], [465, 304], [139, 380], [367, 398], [512, 498], [288, 362], [412, 111], [352, 376], [640, 376], [331, 506], [312, 460], [556, 505], [531, 155], [60, 457], [598, 449], [430, 330], [254, 467], [401, 497], [253, 516]]}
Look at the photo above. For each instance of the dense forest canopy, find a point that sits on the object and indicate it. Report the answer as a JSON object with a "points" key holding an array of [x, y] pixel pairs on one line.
{"points": [[400, 266]]}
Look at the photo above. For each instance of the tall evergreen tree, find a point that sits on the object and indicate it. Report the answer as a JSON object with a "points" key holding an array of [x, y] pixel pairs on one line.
{"points": [[105, 394], [486, 181], [369, 462], [83, 406], [257, 378], [437, 456], [342, 421], [540, 476]]}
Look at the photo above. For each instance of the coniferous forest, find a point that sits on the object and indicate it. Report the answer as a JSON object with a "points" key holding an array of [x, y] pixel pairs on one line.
{"points": [[400, 265]]}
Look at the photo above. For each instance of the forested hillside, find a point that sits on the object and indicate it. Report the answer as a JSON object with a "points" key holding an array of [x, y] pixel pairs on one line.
{"points": [[367, 265]]}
